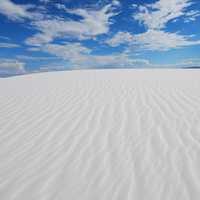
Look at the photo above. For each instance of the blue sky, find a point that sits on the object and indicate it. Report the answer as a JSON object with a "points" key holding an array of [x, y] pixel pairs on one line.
{"points": [[46, 35]]}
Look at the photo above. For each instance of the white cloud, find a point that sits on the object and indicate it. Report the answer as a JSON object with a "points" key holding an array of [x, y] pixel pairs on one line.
{"points": [[92, 24], [158, 14], [75, 53], [116, 3], [60, 6], [11, 66], [155, 17], [8, 45], [191, 16], [39, 39], [116, 60], [21, 12], [13, 11], [153, 40], [120, 38], [160, 40], [79, 56]]}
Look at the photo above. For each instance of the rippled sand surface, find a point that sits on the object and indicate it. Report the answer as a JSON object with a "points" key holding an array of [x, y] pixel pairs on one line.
{"points": [[100, 135]]}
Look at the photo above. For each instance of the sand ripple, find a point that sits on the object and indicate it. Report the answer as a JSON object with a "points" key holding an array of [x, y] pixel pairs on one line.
{"points": [[100, 135]]}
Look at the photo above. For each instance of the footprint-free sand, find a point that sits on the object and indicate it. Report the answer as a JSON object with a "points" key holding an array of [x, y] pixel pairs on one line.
{"points": [[100, 135]]}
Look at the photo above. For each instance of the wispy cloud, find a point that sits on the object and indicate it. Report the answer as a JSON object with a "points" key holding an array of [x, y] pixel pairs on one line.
{"points": [[156, 17], [75, 53], [191, 16], [162, 40], [8, 45], [14, 11], [91, 24], [121, 38], [78, 56], [153, 40], [22, 12], [4, 38], [158, 14]]}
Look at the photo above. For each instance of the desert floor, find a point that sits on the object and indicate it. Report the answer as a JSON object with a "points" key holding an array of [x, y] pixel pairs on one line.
{"points": [[100, 135]]}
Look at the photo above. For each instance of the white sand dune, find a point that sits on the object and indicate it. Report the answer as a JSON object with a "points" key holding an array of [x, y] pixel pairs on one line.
{"points": [[100, 135]]}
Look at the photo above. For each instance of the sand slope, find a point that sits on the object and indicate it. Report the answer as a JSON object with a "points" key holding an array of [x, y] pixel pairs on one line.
{"points": [[100, 135]]}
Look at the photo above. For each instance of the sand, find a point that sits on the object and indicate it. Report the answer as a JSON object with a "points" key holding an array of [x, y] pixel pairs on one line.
{"points": [[100, 135]]}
